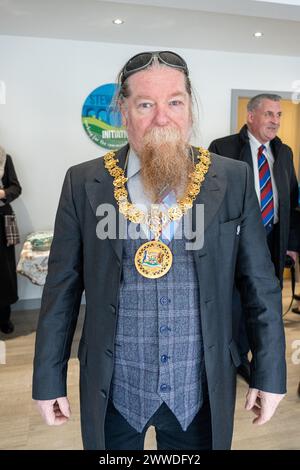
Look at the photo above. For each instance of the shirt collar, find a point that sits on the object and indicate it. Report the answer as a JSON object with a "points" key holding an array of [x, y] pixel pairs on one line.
{"points": [[134, 164], [256, 142]]}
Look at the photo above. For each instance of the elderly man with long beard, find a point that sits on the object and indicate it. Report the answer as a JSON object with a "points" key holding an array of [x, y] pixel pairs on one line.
{"points": [[158, 345]]}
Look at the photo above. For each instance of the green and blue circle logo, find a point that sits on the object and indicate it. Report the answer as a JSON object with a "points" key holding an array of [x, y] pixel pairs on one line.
{"points": [[101, 120]]}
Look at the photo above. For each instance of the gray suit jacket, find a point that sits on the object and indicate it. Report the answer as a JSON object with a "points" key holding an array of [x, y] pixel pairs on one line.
{"points": [[234, 250]]}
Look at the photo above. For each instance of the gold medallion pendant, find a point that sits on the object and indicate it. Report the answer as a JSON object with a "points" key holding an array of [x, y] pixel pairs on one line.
{"points": [[153, 259]]}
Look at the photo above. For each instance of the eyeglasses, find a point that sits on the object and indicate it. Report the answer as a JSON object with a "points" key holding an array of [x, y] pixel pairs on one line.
{"points": [[144, 59]]}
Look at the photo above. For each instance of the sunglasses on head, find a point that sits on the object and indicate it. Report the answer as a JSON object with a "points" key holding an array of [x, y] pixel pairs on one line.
{"points": [[144, 59]]}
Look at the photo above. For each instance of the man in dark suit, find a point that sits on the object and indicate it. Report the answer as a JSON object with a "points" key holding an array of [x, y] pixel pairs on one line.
{"points": [[275, 184], [295, 228], [158, 345]]}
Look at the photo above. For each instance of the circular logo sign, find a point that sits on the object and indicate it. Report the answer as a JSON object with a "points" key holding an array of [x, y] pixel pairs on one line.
{"points": [[101, 120]]}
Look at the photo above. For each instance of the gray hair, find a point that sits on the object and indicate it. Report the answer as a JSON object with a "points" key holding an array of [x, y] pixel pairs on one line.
{"points": [[256, 100]]}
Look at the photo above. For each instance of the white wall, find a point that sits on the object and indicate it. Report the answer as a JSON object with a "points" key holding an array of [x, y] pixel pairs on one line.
{"points": [[47, 82]]}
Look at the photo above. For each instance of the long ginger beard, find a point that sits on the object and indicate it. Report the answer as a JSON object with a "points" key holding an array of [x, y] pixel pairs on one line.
{"points": [[165, 163]]}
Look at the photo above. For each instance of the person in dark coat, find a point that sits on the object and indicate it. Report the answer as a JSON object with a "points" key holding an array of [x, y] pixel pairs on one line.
{"points": [[296, 229], [10, 189], [279, 194], [158, 345]]}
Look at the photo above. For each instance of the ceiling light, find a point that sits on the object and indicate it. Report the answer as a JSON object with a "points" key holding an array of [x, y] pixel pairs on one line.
{"points": [[258, 34], [118, 21]]}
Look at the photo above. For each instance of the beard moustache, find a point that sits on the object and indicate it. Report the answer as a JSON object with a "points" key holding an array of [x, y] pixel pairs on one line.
{"points": [[165, 163]]}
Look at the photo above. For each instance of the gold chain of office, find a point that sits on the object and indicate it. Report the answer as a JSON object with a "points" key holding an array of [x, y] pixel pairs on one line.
{"points": [[136, 215], [154, 258]]}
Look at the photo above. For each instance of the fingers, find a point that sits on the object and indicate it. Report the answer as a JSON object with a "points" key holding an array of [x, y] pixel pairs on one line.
{"points": [[59, 416], [262, 404], [64, 406], [251, 398], [266, 412], [269, 403], [54, 412], [262, 418], [253, 403], [256, 410]]}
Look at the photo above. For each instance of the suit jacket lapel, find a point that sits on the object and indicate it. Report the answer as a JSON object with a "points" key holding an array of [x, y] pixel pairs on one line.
{"points": [[279, 174], [101, 191], [245, 154], [211, 196]]}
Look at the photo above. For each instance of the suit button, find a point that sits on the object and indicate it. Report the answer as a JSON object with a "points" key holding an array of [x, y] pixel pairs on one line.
{"points": [[164, 300], [103, 393], [109, 353], [113, 308], [164, 329], [164, 358], [165, 388]]}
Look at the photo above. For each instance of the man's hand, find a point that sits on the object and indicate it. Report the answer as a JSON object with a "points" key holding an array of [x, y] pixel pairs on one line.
{"points": [[263, 404], [54, 412], [2, 194], [293, 255]]}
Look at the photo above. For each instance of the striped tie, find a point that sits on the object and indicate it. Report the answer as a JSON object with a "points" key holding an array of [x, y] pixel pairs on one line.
{"points": [[266, 191]]}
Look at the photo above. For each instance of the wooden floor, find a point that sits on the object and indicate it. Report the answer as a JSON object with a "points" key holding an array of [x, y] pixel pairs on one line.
{"points": [[22, 428]]}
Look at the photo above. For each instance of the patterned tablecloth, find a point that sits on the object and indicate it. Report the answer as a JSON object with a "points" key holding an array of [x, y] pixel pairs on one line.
{"points": [[33, 262]]}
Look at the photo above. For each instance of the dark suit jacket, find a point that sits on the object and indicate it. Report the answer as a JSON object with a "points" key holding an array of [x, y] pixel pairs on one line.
{"points": [[295, 230], [234, 246], [237, 146]]}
